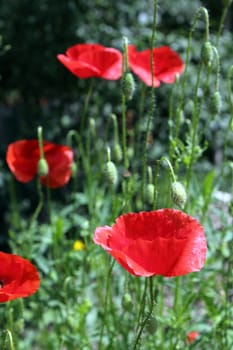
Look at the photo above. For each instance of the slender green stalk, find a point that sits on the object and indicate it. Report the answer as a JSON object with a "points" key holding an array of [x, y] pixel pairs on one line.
{"points": [[107, 287], [222, 20], [86, 104], [194, 127], [14, 203], [40, 202], [10, 339], [201, 10], [123, 105], [152, 104], [148, 315]]}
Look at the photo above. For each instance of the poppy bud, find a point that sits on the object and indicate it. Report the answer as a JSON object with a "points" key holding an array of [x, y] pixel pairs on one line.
{"points": [[178, 194], [74, 169], [207, 53], [42, 167], [127, 302], [111, 173], [92, 126], [117, 152], [130, 152], [180, 116], [216, 103], [150, 190], [128, 86]]}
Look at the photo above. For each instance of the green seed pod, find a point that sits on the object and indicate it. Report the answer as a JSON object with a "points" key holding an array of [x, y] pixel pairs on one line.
{"points": [[128, 86], [127, 302], [150, 189], [42, 167], [178, 194], [207, 53], [117, 152], [215, 103], [111, 174]]}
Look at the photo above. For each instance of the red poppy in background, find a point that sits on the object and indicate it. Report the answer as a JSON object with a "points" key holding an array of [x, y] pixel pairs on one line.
{"points": [[164, 242], [167, 64], [192, 336], [22, 158], [93, 60], [18, 277]]}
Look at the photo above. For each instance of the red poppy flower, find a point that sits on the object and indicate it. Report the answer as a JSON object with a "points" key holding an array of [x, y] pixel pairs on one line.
{"points": [[22, 158], [93, 60], [164, 242], [192, 336], [18, 277], [167, 64]]}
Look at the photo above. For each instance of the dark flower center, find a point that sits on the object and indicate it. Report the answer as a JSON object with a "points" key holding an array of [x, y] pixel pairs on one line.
{"points": [[1, 284]]}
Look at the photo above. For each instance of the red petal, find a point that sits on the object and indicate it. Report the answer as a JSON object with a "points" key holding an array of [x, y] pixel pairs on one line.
{"points": [[22, 160]]}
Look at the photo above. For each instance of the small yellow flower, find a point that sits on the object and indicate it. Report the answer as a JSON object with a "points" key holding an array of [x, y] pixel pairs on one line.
{"points": [[78, 245]]}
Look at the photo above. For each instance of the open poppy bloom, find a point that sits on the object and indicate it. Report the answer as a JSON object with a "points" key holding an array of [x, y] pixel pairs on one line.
{"points": [[167, 64], [23, 156], [192, 336], [93, 60], [18, 277], [164, 242]]}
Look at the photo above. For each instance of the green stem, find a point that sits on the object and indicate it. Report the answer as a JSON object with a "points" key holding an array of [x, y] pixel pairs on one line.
{"points": [[200, 11], [170, 168], [86, 104], [15, 207], [105, 305], [40, 203], [152, 105], [222, 20], [194, 127], [146, 318], [10, 338]]}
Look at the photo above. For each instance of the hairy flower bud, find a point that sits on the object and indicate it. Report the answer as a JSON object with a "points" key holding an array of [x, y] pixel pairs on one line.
{"points": [[207, 53], [127, 302], [42, 167], [128, 85], [111, 174], [215, 103], [74, 169], [150, 189], [178, 194]]}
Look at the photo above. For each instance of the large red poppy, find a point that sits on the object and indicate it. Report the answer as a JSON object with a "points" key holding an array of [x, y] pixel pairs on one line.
{"points": [[167, 64], [22, 158], [164, 242], [93, 60], [18, 277]]}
